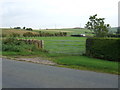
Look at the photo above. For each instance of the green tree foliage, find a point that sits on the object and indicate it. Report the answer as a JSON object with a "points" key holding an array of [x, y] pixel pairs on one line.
{"points": [[28, 34], [29, 29], [103, 48], [118, 30], [17, 27], [44, 34], [98, 26], [23, 27], [15, 35]]}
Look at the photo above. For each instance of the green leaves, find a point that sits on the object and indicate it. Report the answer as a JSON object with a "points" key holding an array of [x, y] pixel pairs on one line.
{"points": [[98, 26]]}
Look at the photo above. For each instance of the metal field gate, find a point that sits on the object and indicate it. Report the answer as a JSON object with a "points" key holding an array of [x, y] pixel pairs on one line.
{"points": [[76, 47]]}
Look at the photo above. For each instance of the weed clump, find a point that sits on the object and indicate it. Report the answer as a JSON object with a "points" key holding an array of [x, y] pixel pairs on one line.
{"points": [[14, 45]]}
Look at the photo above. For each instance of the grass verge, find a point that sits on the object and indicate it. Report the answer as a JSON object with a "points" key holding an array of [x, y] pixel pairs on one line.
{"points": [[87, 63], [74, 62]]}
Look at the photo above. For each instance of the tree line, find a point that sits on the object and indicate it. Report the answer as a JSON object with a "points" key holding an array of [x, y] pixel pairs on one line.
{"points": [[29, 29], [44, 34]]}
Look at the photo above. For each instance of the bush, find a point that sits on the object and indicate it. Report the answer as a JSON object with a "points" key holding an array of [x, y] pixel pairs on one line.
{"points": [[28, 34], [17, 27], [4, 35], [118, 30], [29, 29], [15, 35], [11, 44], [44, 34], [113, 35], [104, 48]]}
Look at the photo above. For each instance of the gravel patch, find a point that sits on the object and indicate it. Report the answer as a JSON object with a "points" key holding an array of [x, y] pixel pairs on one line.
{"points": [[37, 60]]}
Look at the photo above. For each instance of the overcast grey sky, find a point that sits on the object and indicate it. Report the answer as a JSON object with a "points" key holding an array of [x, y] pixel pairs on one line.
{"points": [[59, 13]]}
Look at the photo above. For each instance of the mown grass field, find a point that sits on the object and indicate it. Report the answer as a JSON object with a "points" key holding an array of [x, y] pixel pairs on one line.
{"points": [[67, 45]]}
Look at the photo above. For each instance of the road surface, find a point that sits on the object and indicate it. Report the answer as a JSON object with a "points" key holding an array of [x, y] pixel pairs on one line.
{"points": [[18, 74]]}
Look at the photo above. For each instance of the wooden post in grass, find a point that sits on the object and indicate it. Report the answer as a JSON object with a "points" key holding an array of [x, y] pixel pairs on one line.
{"points": [[42, 44], [39, 43]]}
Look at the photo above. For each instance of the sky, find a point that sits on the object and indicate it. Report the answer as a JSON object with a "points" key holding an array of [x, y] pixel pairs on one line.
{"points": [[41, 14]]}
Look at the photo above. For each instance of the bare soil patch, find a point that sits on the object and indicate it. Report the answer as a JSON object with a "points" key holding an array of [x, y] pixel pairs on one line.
{"points": [[38, 60]]}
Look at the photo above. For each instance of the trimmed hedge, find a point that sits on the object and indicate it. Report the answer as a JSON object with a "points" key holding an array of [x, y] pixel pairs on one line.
{"points": [[44, 34], [103, 48]]}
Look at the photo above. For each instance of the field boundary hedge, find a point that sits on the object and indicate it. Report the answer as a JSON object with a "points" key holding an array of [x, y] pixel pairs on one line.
{"points": [[103, 48]]}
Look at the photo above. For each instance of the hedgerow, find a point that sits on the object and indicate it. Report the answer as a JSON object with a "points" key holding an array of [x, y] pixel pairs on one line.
{"points": [[104, 48]]}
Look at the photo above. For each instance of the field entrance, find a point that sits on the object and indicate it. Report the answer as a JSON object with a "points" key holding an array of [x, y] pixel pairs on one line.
{"points": [[75, 47]]}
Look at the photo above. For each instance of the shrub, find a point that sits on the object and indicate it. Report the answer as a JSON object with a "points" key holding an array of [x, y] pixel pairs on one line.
{"points": [[113, 35], [44, 34], [17, 47], [24, 27], [28, 34], [15, 35], [14, 45], [4, 35], [30, 29], [118, 30], [104, 48], [17, 27], [10, 44]]}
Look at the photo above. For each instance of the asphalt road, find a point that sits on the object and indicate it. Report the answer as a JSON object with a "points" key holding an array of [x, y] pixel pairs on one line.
{"points": [[17, 74]]}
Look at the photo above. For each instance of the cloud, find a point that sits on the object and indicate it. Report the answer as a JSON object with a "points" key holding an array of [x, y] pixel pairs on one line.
{"points": [[64, 13]]}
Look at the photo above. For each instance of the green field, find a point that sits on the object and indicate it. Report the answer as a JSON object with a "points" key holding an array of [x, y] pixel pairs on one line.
{"points": [[64, 45], [69, 31], [69, 46]]}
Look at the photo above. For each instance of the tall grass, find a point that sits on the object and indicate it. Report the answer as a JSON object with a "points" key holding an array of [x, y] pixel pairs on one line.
{"points": [[13, 46]]}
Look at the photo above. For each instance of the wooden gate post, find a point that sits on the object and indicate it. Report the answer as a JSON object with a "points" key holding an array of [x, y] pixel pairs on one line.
{"points": [[42, 44]]}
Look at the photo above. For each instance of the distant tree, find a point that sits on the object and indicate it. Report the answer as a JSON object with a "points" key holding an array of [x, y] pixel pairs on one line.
{"points": [[28, 34], [29, 29], [17, 27], [98, 26], [118, 30], [23, 27]]}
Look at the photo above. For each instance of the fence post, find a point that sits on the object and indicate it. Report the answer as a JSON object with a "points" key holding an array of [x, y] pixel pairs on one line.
{"points": [[39, 43], [42, 44]]}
